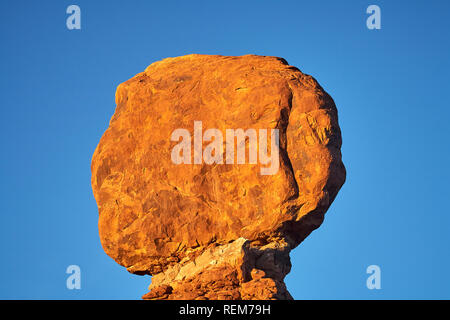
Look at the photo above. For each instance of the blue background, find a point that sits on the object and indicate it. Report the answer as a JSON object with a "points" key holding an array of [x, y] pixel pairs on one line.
{"points": [[391, 87]]}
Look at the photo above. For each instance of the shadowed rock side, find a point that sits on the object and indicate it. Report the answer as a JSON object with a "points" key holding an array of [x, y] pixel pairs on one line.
{"points": [[215, 231]]}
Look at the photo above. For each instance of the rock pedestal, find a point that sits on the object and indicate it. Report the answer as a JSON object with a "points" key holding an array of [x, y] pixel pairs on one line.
{"points": [[237, 270], [221, 229]]}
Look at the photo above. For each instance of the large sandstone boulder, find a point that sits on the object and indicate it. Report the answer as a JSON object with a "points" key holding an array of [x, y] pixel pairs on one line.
{"points": [[187, 223]]}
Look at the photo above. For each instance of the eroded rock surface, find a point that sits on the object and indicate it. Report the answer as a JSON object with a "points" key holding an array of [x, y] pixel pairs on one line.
{"points": [[237, 270], [215, 231]]}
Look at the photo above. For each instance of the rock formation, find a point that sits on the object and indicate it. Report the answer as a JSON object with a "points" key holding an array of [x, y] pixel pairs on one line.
{"points": [[220, 230]]}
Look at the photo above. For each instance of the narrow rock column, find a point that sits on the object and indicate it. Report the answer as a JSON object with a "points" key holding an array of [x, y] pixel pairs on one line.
{"points": [[237, 270]]}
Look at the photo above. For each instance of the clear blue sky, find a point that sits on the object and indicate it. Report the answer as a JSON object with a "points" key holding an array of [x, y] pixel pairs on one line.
{"points": [[391, 87]]}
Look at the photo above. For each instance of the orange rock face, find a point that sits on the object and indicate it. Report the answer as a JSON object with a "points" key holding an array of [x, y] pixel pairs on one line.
{"points": [[221, 229]]}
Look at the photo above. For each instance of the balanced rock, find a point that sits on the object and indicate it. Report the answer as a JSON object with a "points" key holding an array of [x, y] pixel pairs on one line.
{"points": [[211, 170]]}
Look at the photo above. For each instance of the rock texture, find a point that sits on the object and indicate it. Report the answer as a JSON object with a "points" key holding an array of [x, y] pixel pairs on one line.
{"points": [[215, 231], [237, 270]]}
